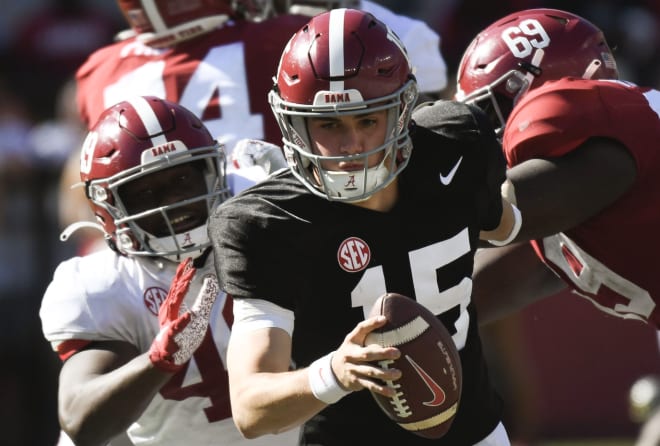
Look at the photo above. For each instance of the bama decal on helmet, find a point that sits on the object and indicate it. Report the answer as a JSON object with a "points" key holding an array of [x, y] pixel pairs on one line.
{"points": [[351, 96], [353, 255], [162, 150]]}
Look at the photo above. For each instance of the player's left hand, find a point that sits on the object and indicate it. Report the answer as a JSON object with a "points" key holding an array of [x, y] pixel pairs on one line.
{"points": [[356, 366], [181, 334]]}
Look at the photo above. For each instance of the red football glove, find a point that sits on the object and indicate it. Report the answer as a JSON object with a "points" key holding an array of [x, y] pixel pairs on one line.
{"points": [[180, 335]]}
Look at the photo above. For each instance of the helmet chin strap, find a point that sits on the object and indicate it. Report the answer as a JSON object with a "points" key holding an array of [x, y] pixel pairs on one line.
{"points": [[536, 62], [591, 69], [174, 247], [73, 227], [351, 186]]}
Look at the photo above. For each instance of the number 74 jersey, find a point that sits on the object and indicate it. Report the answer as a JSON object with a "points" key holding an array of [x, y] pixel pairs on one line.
{"points": [[223, 77]]}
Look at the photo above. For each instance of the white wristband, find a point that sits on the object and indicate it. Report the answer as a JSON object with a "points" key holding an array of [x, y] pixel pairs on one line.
{"points": [[323, 382], [517, 223]]}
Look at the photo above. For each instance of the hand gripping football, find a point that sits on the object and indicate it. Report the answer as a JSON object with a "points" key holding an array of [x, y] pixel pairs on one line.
{"points": [[429, 390]]}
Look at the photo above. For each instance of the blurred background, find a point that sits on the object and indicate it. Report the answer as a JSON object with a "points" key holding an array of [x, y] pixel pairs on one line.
{"points": [[564, 368]]}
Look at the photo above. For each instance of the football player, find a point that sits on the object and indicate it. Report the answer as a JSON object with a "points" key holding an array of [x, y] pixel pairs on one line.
{"points": [[583, 168], [421, 42], [215, 58], [371, 203], [141, 355]]}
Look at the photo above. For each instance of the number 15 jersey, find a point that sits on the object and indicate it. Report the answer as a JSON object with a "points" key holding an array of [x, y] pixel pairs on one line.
{"points": [[328, 262]]}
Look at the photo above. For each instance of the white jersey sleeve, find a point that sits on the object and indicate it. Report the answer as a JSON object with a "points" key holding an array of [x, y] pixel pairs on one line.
{"points": [[104, 296], [422, 44], [99, 298]]}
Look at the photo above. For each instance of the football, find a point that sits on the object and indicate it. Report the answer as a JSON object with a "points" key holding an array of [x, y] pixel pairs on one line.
{"points": [[429, 390]]}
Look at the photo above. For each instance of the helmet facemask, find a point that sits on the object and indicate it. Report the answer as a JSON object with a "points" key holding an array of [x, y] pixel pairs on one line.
{"points": [[525, 50], [337, 185], [131, 237], [498, 98]]}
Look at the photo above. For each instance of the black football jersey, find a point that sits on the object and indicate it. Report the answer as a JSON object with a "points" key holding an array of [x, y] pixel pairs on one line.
{"points": [[328, 262]]}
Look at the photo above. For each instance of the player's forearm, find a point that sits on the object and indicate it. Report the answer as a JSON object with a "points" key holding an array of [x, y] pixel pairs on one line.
{"points": [[267, 403], [507, 278], [97, 409]]}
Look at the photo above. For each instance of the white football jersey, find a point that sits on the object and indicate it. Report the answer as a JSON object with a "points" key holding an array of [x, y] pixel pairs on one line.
{"points": [[105, 296], [422, 44]]}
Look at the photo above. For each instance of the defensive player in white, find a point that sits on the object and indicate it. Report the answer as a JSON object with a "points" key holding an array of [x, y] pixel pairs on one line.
{"points": [[144, 341], [421, 42]]}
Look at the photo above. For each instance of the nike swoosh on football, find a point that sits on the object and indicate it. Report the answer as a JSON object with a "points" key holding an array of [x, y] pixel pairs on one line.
{"points": [[446, 179], [438, 394]]}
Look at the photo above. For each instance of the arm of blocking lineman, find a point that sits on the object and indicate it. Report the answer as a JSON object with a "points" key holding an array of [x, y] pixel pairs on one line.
{"points": [[508, 278], [509, 226], [557, 194]]}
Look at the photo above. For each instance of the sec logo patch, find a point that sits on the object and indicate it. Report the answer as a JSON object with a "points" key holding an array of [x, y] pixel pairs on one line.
{"points": [[353, 255], [153, 297]]}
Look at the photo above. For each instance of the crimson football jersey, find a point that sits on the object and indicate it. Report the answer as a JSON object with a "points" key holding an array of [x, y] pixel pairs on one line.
{"points": [[223, 77], [612, 258]]}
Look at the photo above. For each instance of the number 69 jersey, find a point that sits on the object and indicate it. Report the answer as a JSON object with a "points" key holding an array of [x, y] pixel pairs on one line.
{"points": [[108, 297], [612, 258], [223, 77]]}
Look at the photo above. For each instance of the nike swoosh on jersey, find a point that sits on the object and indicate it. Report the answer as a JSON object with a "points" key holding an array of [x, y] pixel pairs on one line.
{"points": [[438, 394], [446, 179]]}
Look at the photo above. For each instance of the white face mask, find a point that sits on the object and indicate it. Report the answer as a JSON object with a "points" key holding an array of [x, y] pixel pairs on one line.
{"points": [[351, 185], [196, 240], [191, 243]]}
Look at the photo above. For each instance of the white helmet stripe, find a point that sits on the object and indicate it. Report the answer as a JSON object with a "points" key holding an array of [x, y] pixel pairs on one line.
{"points": [[149, 120], [336, 47], [153, 14]]}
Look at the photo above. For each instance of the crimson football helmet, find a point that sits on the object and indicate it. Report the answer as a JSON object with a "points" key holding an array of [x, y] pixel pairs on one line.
{"points": [[136, 142], [344, 62], [162, 23], [524, 50]]}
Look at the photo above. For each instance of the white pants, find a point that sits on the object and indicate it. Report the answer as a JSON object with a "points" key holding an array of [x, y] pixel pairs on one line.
{"points": [[498, 437]]}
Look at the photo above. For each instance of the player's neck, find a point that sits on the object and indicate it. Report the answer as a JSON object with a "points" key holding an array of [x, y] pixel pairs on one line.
{"points": [[383, 200]]}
